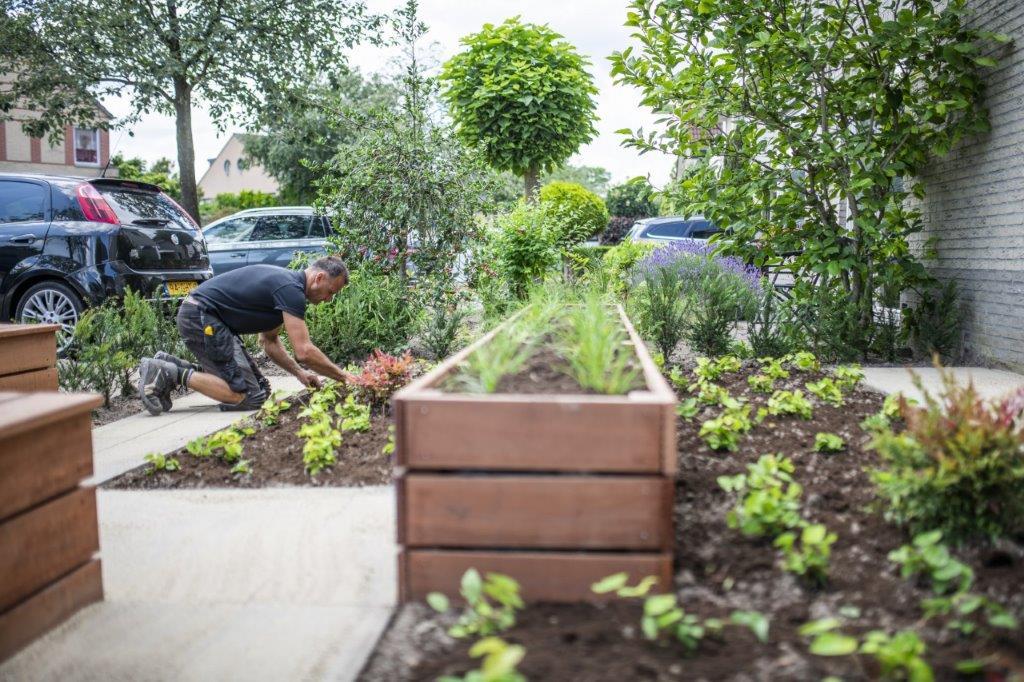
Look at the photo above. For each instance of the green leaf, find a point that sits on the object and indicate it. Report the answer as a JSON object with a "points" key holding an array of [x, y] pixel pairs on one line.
{"points": [[610, 583], [833, 644], [659, 604], [816, 627], [472, 585], [438, 602]]}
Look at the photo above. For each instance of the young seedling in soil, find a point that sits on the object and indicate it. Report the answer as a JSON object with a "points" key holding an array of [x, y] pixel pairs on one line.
{"points": [[827, 390], [226, 443], [828, 442], [161, 462], [773, 368], [804, 361], [771, 504], [242, 467], [688, 409], [762, 383], [389, 447], [790, 402], [272, 408], [354, 417], [481, 616], [724, 431], [499, 662], [899, 656], [807, 557], [848, 377]]}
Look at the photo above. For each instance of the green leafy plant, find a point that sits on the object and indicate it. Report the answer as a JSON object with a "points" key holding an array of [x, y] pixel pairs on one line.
{"points": [[723, 432], [899, 656], [762, 383], [618, 263], [714, 308], [755, 620], [827, 390], [593, 342], [790, 402], [710, 394], [929, 557], [354, 416], [159, 462], [848, 377], [825, 640], [688, 409], [967, 607], [958, 466], [226, 443], [770, 498], [662, 309], [933, 326], [503, 355], [828, 442], [875, 423], [444, 318], [499, 662], [573, 213], [389, 447], [774, 368], [804, 361], [321, 438], [482, 616], [242, 467], [522, 248], [662, 614], [272, 408], [809, 554], [766, 331], [381, 376], [97, 349]]}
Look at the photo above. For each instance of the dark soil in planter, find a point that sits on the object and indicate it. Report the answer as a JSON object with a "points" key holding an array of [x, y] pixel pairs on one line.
{"points": [[275, 457], [719, 571]]}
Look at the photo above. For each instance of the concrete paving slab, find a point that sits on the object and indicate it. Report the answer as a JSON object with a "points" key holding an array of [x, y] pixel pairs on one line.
{"points": [[990, 383], [308, 546], [121, 445], [135, 642]]}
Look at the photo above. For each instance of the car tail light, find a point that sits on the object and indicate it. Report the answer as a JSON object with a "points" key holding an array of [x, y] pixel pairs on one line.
{"points": [[94, 206], [184, 213]]}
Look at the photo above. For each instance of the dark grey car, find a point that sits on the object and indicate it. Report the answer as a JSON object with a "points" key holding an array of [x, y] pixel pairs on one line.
{"points": [[265, 235]]}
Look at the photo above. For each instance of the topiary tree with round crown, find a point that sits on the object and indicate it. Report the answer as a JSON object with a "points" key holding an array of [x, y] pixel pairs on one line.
{"points": [[522, 94]]}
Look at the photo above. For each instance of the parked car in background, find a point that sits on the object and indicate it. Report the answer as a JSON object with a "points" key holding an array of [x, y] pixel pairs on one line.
{"points": [[265, 235], [67, 243], [671, 228]]}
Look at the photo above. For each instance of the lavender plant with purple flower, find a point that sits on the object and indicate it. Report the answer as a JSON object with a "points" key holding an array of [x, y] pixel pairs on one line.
{"points": [[694, 260]]}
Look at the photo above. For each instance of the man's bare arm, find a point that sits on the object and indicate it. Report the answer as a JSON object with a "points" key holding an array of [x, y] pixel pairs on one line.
{"points": [[307, 353], [272, 346]]}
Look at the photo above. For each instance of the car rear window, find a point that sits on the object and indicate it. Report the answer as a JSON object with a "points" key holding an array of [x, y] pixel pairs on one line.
{"points": [[133, 205], [668, 230]]}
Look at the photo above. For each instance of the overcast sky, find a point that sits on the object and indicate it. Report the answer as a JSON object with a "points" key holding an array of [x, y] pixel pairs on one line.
{"points": [[593, 26]]}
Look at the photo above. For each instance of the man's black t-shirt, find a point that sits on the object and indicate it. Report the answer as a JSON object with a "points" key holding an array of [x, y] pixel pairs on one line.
{"points": [[250, 299]]}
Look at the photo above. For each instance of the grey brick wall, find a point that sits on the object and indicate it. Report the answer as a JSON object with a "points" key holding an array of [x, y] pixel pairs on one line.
{"points": [[975, 204]]}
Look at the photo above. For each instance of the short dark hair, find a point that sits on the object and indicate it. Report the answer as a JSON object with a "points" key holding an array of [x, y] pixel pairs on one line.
{"points": [[332, 265]]}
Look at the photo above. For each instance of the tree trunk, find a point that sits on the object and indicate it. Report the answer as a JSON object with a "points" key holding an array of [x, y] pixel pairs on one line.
{"points": [[186, 149], [532, 182]]}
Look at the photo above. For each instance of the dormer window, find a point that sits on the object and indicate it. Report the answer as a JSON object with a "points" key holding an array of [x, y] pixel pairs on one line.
{"points": [[87, 146]]}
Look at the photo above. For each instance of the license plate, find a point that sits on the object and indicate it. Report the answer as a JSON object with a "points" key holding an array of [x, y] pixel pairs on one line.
{"points": [[180, 288]]}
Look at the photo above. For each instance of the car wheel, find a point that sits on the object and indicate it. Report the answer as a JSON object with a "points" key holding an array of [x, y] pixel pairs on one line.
{"points": [[51, 303]]}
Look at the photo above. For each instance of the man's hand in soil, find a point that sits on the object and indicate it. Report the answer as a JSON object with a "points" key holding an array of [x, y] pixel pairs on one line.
{"points": [[306, 352], [308, 379]]}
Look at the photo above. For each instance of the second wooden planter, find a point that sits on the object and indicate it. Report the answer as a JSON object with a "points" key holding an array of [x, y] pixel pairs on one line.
{"points": [[556, 491]]}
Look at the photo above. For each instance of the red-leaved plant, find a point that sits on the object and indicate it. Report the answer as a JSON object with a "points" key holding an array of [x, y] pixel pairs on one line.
{"points": [[382, 375]]}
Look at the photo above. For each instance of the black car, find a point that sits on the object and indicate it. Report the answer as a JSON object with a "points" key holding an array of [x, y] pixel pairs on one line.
{"points": [[67, 243]]}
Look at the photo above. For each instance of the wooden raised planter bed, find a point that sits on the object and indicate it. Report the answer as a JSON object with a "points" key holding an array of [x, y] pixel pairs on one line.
{"points": [[554, 490], [28, 357], [48, 527]]}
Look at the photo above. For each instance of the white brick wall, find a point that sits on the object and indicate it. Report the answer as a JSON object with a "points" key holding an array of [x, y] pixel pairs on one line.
{"points": [[975, 204]]}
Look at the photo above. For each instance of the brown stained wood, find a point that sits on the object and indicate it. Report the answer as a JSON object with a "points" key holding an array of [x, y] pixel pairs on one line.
{"points": [[26, 347], [21, 412], [542, 576], [532, 435], [39, 464], [555, 512], [32, 380], [45, 542], [49, 607]]}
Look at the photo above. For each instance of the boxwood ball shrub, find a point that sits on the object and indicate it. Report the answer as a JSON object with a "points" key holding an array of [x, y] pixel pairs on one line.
{"points": [[572, 212], [957, 467], [372, 312]]}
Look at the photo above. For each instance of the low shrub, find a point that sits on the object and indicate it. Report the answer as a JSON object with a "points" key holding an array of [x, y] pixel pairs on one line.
{"points": [[957, 467], [933, 325], [615, 232], [572, 212], [522, 248], [632, 199], [618, 263], [98, 351], [373, 312], [443, 322], [662, 309], [767, 332], [381, 376]]}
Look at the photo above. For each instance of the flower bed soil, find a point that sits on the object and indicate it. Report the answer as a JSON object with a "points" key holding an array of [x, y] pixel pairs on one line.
{"points": [[275, 456], [718, 571]]}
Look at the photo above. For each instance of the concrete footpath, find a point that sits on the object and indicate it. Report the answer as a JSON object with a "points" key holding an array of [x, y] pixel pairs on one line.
{"points": [[990, 383], [273, 584], [121, 445]]}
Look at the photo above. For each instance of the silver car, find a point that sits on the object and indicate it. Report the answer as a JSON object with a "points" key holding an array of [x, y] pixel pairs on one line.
{"points": [[265, 235], [671, 228]]}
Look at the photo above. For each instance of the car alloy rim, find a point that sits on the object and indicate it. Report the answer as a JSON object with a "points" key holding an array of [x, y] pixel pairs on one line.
{"points": [[50, 306]]}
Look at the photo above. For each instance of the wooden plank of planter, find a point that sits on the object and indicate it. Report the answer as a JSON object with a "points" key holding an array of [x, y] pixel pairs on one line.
{"points": [[27, 411], [556, 512], [32, 380], [540, 433], [27, 346], [45, 542], [49, 608], [50, 459], [542, 576]]}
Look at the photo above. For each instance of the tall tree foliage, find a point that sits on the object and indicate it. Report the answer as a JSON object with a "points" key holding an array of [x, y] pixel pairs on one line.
{"points": [[406, 190], [522, 94], [817, 110], [168, 56], [300, 130]]}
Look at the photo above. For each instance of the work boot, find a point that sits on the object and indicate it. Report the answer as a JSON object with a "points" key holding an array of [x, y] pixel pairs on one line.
{"points": [[165, 399], [156, 378]]}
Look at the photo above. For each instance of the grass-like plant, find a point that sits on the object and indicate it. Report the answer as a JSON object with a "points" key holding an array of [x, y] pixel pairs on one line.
{"points": [[593, 342]]}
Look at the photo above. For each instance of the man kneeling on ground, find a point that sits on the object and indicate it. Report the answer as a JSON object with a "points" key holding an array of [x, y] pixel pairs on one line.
{"points": [[256, 299]]}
